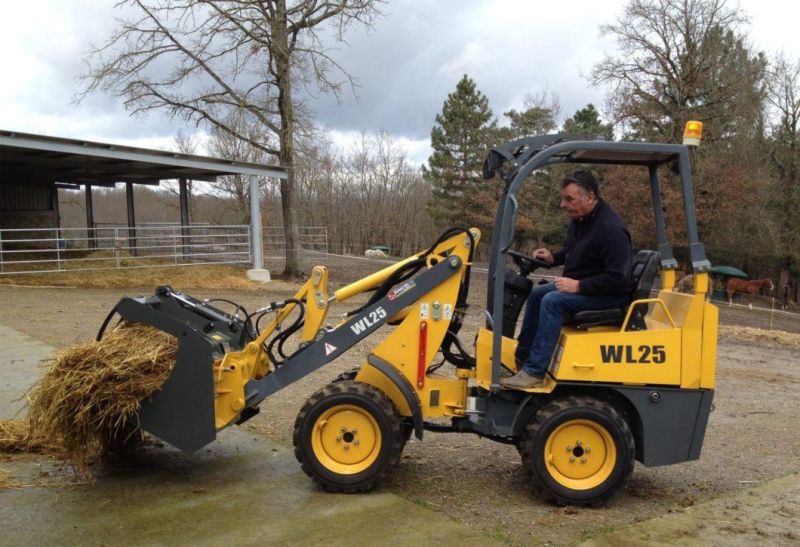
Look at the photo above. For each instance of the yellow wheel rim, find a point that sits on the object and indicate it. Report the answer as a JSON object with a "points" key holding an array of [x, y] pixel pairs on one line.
{"points": [[346, 439], [580, 454]]}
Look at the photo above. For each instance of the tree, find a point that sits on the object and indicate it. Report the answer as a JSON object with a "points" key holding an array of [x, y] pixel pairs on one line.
{"points": [[222, 144], [459, 141], [586, 121], [539, 218], [185, 144], [201, 60], [685, 60], [539, 117], [783, 95], [682, 60]]}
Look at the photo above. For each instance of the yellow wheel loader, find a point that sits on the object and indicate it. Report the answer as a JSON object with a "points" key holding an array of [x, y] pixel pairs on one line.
{"points": [[623, 385]]}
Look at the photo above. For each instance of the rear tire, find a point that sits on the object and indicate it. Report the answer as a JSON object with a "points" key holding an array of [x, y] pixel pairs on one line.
{"points": [[578, 450], [348, 437]]}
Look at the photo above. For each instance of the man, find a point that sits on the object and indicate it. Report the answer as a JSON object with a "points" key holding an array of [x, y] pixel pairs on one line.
{"points": [[597, 275]]}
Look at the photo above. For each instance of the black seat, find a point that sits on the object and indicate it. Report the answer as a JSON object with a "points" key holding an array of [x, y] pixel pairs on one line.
{"points": [[645, 268]]}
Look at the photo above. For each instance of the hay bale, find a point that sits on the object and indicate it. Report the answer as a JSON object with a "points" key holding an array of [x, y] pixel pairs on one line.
{"points": [[16, 438], [86, 402]]}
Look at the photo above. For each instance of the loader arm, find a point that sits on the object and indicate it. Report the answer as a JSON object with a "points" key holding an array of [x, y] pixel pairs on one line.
{"points": [[226, 367], [333, 343]]}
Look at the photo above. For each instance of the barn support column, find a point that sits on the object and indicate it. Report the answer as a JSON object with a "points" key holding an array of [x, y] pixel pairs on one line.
{"points": [[184, 202], [56, 210], [258, 273], [91, 235], [59, 242], [131, 219]]}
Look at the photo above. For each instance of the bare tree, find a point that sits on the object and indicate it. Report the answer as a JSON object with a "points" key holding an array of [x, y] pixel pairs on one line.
{"points": [[224, 145], [202, 59], [783, 96], [184, 143], [681, 59]]}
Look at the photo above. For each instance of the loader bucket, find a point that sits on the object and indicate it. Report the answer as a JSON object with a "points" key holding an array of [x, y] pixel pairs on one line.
{"points": [[182, 412]]}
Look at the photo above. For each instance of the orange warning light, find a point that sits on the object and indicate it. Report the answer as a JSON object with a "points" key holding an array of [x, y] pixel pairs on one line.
{"points": [[692, 133]]}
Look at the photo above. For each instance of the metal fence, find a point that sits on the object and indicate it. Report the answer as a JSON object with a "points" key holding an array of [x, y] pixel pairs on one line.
{"points": [[108, 246], [312, 238], [35, 250]]}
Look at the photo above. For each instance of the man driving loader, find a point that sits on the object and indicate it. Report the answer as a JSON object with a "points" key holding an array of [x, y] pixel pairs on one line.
{"points": [[597, 275]]}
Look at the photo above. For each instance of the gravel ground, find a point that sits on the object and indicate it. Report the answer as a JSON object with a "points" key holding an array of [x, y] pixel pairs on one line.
{"points": [[751, 438]]}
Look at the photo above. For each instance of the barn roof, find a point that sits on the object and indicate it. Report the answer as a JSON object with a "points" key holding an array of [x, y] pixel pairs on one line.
{"points": [[39, 159]]}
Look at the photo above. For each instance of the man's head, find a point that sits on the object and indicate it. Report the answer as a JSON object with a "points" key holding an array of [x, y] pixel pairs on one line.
{"points": [[579, 194]]}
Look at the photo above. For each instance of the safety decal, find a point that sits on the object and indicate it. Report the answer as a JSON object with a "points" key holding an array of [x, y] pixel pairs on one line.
{"points": [[448, 312], [329, 348], [405, 287], [423, 310]]}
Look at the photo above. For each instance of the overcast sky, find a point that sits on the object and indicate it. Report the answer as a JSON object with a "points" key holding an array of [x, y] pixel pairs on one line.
{"points": [[406, 66]]}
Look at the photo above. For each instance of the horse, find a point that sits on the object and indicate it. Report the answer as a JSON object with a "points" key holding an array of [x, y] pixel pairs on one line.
{"points": [[745, 286], [685, 283]]}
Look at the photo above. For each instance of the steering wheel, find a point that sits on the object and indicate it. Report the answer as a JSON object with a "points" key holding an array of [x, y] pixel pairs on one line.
{"points": [[526, 263]]}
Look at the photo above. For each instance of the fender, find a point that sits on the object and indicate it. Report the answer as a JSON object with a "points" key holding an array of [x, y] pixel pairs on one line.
{"points": [[404, 387]]}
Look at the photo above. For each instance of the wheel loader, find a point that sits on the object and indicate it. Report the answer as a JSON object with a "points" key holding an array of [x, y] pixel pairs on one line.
{"points": [[623, 385]]}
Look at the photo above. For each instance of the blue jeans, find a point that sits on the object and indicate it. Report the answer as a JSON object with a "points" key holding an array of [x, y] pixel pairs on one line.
{"points": [[544, 315]]}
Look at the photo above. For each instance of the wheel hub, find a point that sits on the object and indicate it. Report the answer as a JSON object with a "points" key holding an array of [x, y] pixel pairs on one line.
{"points": [[580, 454], [346, 439]]}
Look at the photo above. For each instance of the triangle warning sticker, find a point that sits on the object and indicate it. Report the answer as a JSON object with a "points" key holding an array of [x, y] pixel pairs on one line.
{"points": [[329, 349]]}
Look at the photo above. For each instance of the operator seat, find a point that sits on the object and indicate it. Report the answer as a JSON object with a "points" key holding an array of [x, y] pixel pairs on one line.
{"points": [[645, 267]]}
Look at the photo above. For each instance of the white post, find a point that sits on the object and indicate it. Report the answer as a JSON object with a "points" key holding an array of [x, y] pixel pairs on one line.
{"points": [[258, 273]]}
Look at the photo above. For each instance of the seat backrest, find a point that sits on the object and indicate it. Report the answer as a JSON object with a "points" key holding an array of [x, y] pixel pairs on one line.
{"points": [[646, 265]]}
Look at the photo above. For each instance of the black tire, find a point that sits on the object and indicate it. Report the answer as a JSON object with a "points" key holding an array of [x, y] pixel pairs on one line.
{"points": [[336, 458], [556, 449], [347, 375], [406, 427]]}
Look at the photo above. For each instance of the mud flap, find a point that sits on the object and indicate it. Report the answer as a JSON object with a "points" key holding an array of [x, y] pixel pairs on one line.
{"points": [[182, 412]]}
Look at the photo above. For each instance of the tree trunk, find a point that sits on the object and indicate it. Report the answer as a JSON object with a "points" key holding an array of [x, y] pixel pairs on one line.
{"points": [[282, 57]]}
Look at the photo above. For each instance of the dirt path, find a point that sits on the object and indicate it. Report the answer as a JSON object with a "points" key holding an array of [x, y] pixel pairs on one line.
{"points": [[752, 434], [766, 515]]}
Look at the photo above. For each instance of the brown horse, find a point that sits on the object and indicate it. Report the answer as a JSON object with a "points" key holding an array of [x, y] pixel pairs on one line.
{"points": [[745, 286]]}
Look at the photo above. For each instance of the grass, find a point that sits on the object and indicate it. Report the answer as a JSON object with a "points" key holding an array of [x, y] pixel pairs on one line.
{"points": [[501, 535], [422, 502], [201, 276]]}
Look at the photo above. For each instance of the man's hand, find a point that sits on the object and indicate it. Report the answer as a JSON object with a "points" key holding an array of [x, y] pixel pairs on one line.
{"points": [[543, 254], [565, 284]]}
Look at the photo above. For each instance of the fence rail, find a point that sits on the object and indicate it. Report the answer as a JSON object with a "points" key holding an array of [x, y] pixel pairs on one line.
{"points": [[40, 250]]}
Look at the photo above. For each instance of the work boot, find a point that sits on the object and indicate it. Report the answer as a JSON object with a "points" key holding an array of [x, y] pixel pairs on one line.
{"points": [[521, 380]]}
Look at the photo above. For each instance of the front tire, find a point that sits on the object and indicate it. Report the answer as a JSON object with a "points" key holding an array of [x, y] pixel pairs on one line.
{"points": [[578, 450], [348, 437]]}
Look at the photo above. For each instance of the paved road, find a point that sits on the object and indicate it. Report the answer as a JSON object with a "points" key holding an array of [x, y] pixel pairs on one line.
{"points": [[241, 490]]}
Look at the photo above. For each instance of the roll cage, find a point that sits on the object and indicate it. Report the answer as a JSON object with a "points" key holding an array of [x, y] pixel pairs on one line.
{"points": [[514, 161]]}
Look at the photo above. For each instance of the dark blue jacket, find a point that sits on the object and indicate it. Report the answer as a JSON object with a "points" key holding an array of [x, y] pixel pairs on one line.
{"points": [[598, 253]]}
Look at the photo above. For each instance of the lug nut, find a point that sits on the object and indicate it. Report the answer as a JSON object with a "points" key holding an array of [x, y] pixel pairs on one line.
{"points": [[355, 442], [579, 443], [572, 459], [344, 429], [355, 431], [569, 449], [587, 449], [347, 447], [583, 460], [338, 439]]}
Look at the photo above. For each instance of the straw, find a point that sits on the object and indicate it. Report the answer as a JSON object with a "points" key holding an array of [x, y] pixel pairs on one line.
{"points": [[87, 402]]}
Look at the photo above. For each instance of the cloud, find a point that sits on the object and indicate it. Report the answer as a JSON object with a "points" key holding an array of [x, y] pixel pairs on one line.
{"points": [[406, 65]]}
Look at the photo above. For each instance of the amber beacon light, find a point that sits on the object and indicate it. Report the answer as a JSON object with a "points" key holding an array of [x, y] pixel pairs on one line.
{"points": [[692, 133]]}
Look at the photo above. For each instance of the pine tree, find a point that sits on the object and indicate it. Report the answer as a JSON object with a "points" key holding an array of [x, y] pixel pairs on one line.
{"points": [[459, 141], [586, 121]]}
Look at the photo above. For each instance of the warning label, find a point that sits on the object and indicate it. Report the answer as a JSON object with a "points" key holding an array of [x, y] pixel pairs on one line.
{"points": [[329, 348]]}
